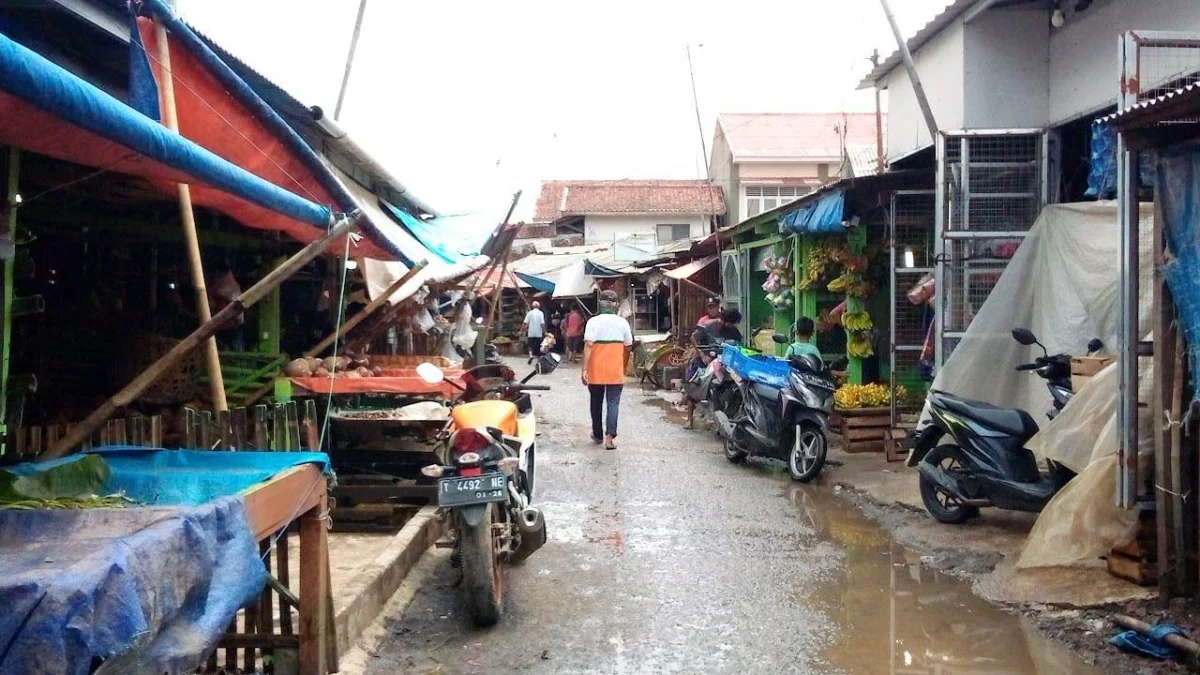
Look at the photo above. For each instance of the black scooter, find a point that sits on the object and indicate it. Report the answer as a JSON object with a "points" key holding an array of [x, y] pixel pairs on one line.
{"points": [[985, 463], [787, 424]]}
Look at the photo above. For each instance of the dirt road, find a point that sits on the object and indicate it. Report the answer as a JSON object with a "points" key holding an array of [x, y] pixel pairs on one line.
{"points": [[665, 558]]}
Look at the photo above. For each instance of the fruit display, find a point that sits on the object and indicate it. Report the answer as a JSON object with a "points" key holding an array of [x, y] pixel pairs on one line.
{"points": [[352, 367], [850, 396], [857, 321]]}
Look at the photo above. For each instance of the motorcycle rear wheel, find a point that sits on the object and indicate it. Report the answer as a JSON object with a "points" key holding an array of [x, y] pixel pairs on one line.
{"points": [[733, 453], [483, 585], [940, 504]]}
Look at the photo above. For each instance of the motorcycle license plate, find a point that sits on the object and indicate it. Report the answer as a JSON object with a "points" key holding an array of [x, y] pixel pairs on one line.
{"points": [[464, 491]]}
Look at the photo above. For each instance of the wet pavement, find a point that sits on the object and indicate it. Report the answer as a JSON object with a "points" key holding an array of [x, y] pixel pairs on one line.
{"points": [[665, 558]]}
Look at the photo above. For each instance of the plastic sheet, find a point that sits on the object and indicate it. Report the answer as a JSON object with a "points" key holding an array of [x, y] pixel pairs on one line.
{"points": [[147, 590], [1062, 285]]}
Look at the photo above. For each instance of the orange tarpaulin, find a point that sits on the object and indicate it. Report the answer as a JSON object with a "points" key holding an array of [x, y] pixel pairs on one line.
{"points": [[394, 381]]}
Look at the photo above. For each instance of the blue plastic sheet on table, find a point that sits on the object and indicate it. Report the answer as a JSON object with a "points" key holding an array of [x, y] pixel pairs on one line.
{"points": [[760, 368], [146, 590], [159, 477], [1179, 198], [822, 215]]}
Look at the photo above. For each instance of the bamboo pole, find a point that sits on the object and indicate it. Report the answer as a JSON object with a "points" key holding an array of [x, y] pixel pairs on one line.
{"points": [[346, 327], [206, 330], [368, 310], [212, 359]]}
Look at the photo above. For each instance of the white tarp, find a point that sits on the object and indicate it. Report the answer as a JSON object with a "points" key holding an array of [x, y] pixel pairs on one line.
{"points": [[1062, 285], [573, 281]]}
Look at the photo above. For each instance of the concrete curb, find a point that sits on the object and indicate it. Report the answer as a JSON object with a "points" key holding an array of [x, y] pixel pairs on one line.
{"points": [[376, 582]]}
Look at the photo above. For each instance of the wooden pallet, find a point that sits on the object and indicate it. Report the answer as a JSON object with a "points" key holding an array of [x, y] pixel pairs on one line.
{"points": [[282, 427], [865, 429], [27, 442]]}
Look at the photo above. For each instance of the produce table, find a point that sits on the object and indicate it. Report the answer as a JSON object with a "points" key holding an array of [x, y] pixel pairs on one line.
{"points": [[153, 588], [393, 381]]}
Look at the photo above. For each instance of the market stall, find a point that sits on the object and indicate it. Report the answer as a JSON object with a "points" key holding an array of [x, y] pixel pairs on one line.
{"points": [[151, 577]]}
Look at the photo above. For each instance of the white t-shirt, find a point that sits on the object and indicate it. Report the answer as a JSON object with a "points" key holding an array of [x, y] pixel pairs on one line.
{"points": [[536, 323]]}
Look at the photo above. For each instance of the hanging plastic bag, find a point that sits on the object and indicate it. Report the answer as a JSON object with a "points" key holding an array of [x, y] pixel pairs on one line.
{"points": [[464, 335], [923, 291], [422, 321]]}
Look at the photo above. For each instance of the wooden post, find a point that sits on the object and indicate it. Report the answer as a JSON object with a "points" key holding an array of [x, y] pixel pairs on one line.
{"points": [[176, 354], [212, 359], [313, 582], [10, 227]]}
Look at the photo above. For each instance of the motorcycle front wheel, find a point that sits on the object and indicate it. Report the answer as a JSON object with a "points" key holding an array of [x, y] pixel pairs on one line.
{"points": [[483, 587], [807, 456]]}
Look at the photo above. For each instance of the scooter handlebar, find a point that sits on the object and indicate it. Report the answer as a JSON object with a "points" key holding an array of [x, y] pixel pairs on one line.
{"points": [[534, 387], [1029, 366]]}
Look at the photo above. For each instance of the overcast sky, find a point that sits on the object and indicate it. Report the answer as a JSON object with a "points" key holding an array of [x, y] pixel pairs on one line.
{"points": [[467, 102]]}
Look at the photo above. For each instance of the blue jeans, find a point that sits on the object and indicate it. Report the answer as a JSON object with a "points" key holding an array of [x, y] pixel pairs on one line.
{"points": [[602, 393]]}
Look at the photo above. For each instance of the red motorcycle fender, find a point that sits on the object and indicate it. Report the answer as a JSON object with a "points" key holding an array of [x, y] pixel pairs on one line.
{"points": [[473, 515]]}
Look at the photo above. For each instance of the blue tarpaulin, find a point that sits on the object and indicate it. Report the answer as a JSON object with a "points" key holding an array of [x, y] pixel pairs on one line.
{"points": [[148, 589], [539, 284], [152, 587], [28, 77], [822, 215], [1178, 195], [452, 238]]}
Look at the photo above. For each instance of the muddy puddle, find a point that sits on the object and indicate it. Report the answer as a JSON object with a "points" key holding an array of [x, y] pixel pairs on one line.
{"points": [[892, 615]]}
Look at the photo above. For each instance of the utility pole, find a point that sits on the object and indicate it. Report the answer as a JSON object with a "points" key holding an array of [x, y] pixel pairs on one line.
{"points": [[911, 67], [362, 8], [880, 164]]}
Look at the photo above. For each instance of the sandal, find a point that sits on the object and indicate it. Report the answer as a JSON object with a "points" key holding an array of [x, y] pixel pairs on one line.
{"points": [[609, 444]]}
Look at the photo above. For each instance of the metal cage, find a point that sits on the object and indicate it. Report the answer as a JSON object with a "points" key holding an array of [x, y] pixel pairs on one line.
{"points": [[911, 240]]}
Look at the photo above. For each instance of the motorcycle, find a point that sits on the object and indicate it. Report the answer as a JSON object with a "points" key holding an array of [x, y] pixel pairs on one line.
{"points": [[789, 423], [986, 462], [487, 484], [709, 378]]}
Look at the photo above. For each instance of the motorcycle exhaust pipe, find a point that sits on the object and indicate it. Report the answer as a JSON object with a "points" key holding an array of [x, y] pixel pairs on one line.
{"points": [[531, 524], [724, 426]]}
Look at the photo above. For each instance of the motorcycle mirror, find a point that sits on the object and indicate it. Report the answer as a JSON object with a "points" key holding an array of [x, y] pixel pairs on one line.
{"points": [[479, 320], [1024, 336], [548, 363], [1095, 345], [779, 339], [430, 373]]}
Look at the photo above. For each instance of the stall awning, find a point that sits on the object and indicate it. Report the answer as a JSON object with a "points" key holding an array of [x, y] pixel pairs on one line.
{"points": [[537, 283], [437, 270], [454, 238], [822, 215], [47, 110], [690, 269]]}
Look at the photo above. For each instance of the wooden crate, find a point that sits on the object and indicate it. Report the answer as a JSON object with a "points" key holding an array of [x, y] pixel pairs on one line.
{"points": [[1136, 560], [1083, 368], [865, 429]]}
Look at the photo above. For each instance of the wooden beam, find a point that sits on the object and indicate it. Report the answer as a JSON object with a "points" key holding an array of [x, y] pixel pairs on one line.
{"points": [[272, 505], [368, 310], [212, 360], [1166, 420], [177, 353]]}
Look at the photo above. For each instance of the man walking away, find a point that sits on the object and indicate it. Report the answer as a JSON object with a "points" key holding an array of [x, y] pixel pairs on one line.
{"points": [[535, 329], [574, 332], [607, 345]]}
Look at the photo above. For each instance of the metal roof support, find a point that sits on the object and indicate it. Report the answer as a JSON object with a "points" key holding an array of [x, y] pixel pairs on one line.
{"points": [[911, 67]]}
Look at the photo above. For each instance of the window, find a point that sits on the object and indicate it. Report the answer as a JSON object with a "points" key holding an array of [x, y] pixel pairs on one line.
{"points": [[670, 233], [760, 198]]}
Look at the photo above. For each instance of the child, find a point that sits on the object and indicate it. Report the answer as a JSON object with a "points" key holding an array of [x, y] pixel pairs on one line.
{"points": [[803, 332]]}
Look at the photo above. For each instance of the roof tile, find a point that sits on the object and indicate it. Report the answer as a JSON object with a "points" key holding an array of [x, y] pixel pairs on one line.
{"points": [[582, 197]]}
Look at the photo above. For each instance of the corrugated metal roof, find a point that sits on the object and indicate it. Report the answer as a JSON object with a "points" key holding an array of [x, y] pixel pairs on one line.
{"points": [[1156, 108]]}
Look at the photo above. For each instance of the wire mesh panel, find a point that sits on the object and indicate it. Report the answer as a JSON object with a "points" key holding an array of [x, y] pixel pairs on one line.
{"points": [[991, 192], [1159, 63], [912, 264]]}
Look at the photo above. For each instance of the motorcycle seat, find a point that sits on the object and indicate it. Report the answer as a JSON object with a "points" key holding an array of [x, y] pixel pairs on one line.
{"points": [[1012, 421]]}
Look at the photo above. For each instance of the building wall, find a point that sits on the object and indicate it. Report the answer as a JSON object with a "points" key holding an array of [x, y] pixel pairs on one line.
{"points": [[724, 172], [940, 67], [1084, 71], [1006, 70], [606, 229]]}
